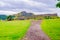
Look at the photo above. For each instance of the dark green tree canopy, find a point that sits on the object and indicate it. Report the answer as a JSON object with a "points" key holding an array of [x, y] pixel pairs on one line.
{"points": [[9, 18], [58, 0], [58, 4]]}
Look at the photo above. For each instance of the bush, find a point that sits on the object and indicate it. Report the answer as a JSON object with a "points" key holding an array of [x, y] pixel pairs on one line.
{"points": [[9, 18], [47, 17]]}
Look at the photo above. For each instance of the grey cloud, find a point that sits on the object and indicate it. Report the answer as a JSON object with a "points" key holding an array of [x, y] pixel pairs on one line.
{"points": [[12, 4], [48, 2]]}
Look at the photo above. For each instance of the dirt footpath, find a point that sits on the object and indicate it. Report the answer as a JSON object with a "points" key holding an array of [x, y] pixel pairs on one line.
{"points": [[35, 32]]}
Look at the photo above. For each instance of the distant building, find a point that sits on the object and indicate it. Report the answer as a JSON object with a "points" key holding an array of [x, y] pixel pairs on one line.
{"points": [[46, 16], [24, 15]]}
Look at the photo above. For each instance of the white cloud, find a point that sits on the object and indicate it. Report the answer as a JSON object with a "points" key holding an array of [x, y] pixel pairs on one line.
{"points": [[7, 12], [30, 2], [52, 11], [35, 4], [2, 3], [15, 6], [57, 10]]}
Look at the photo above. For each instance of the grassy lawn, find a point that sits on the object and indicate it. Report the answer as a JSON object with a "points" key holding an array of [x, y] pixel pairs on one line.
{"points": [[13, 30], [52, 28]]}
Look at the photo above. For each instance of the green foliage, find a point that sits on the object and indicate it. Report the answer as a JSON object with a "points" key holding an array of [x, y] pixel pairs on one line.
{"points": [[58, 5], [58, 0], [47, 17], [13, 30], [9, 18], [52, 28]]}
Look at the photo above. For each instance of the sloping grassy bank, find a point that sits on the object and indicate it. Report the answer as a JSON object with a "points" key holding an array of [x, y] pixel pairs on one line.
{"points": [[52, 28], [13, 30]]}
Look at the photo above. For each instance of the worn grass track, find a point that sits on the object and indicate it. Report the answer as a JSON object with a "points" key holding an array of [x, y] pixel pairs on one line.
{"points": [[35, 32]]}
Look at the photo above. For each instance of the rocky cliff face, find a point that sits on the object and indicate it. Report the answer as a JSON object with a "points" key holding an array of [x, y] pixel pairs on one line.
{"points": [[23, 13]]}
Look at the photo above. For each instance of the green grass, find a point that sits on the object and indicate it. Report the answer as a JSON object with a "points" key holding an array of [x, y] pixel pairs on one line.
{"points": [[13, 30], [52, 28]]}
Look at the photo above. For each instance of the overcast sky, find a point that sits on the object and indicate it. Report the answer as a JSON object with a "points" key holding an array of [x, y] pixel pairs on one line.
{"points": [[37, 6]]}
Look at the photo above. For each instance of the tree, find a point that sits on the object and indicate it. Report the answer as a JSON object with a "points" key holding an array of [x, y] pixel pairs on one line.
{"points": [[58, 4], [58, 0], [9, 18]]}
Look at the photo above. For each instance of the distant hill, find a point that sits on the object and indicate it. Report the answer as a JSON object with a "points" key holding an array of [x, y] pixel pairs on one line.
{"points": [[23, 13], [3, 17]]}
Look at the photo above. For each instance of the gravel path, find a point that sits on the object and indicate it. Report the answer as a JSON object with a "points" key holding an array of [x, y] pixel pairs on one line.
{"points": [[35, 32]]}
